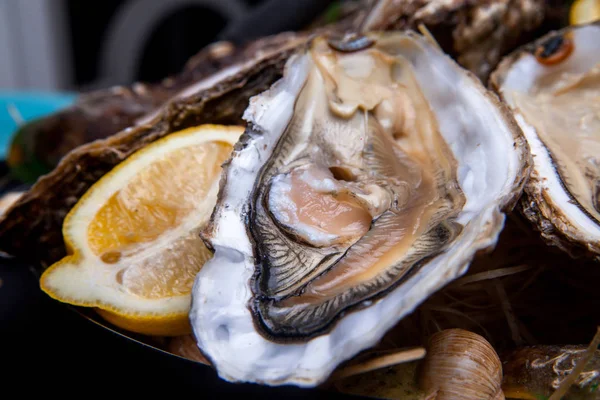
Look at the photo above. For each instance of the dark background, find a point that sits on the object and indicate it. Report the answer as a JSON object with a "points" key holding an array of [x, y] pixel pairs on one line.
{"points": [[173, 41], [178, 34], [80, 45]]}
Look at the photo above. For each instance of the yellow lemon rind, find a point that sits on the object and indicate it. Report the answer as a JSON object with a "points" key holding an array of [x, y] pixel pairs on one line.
{"points": [[584, 12]]}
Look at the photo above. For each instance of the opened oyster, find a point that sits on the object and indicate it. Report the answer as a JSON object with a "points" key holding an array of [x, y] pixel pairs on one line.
{"points": [[553, 88], [368, 178]]}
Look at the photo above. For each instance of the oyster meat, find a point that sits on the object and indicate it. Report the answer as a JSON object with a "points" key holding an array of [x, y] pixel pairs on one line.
{"points": [[368, 177], [553, 88]]}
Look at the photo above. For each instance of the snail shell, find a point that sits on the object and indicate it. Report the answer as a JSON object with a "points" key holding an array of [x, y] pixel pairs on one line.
{"points": [[461, 365]]}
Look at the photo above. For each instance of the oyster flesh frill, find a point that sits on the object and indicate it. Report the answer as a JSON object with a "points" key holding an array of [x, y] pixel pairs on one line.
{"points": [[368, 177], [553, 88]]}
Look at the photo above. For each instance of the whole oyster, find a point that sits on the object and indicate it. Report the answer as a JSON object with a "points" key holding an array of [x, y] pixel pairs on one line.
{"points": [[368, 178], [553, 87]]}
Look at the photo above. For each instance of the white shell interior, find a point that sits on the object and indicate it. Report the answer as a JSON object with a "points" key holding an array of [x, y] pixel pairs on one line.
{"points": [[489, 163], [521, 76]]}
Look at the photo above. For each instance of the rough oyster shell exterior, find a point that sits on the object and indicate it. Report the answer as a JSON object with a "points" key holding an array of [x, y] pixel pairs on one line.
{"points": [[539, 202], [476, 33]]}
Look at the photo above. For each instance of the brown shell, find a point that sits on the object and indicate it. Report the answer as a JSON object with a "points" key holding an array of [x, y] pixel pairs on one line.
{"points": [[475, 33], [186, 347], [32, 227], [535, 203], [461, 364], [101, 113]]}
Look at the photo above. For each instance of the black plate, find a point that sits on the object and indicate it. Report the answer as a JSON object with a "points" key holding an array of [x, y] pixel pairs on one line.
{"points": [[50, 343]]}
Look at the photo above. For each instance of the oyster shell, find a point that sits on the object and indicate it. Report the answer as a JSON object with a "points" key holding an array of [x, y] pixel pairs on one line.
{"points": [[32, 227], [475, 33], [39, 145], [553, 87], [368, 178]]}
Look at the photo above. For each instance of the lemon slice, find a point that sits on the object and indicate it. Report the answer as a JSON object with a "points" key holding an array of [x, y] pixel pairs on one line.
{"points": [[584, 11], [132, 240]]}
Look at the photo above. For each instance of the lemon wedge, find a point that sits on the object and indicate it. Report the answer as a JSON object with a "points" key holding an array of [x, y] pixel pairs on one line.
{"points": [[133, 240], [584, 11]]}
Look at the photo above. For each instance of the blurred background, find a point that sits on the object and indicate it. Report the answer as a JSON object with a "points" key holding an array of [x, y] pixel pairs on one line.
{"points": [[74, 45]]}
